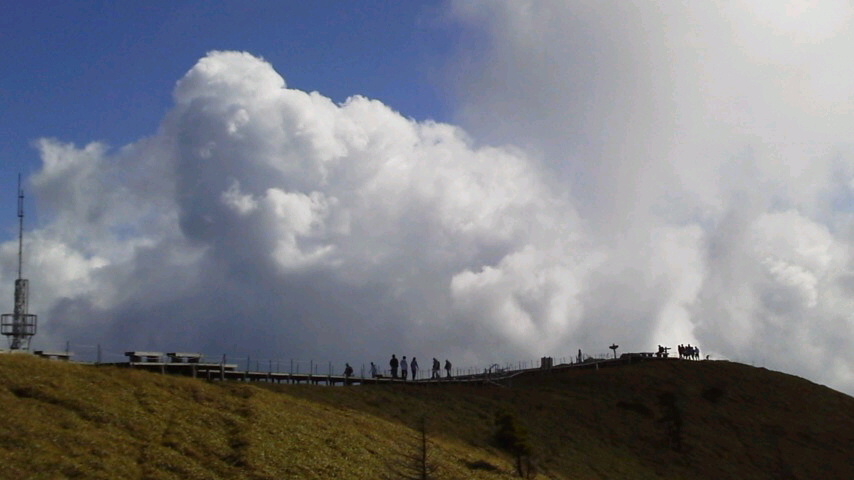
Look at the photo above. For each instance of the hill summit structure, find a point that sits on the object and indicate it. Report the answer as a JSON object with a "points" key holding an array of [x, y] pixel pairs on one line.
{"points": [[20, 326]]}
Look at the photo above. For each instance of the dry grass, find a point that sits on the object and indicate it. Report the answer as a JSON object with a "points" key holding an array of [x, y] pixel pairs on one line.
{"points": [[75, 421]]}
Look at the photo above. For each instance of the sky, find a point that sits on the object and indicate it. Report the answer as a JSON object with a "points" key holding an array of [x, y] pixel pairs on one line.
{"points": [[481, 181]]}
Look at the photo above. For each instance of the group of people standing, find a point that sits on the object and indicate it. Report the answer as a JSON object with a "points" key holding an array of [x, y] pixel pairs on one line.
{"points": [[685, 351], [407, 368], [689, 352]]}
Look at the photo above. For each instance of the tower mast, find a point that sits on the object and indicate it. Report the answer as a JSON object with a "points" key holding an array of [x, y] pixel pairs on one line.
{"points": [[20, 326], [20, 227]]}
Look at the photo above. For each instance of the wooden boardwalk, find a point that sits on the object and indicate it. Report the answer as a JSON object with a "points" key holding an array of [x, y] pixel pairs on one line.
{"points": [[229, 372], [219, 371]]}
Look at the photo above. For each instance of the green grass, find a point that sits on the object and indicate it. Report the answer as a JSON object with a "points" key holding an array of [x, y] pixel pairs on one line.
{"points": [[76, 421]]}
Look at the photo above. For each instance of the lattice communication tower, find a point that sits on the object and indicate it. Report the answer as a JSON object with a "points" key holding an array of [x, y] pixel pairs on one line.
{"points": [[19, 326]]}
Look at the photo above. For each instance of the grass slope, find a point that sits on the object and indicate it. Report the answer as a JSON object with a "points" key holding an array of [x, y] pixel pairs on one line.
{"points": [[732, 421]]}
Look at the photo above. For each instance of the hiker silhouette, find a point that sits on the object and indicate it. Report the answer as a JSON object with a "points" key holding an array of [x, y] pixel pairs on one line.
{"points": [[393, 363]]}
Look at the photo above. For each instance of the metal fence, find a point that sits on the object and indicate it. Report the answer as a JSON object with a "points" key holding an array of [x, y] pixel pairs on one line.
{"points": [[95, 354]]}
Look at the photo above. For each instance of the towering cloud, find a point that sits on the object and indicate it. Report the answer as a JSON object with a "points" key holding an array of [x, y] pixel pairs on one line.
{"points": [[653, 174], [271, 220], [706, 146]]}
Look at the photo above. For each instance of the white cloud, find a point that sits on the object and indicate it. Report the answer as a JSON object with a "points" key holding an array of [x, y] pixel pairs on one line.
{"points": [[529, 298], [706, 148], [631, 174], [272, 220], [237, 201]]}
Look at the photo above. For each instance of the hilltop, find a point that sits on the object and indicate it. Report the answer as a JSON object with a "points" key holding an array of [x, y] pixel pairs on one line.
{"points": [[660, 419]]}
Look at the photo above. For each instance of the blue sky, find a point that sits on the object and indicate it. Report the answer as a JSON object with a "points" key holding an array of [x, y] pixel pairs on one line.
{"points": [[104, 71], [638, 173]]}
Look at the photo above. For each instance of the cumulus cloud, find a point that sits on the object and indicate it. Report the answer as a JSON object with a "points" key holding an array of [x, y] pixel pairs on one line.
{"points": [[269, 220], [705, 146], [638, 174]]}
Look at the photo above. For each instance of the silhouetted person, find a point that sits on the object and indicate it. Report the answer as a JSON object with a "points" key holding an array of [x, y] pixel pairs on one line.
{"points": [[374, 373], [448, 368], [413, 367], [348, 372], [436, 367], [404, 368], [393, 363], [579, 356]]}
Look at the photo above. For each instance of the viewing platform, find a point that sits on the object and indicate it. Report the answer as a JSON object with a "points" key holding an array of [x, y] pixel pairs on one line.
{"points": [[61, 356]]}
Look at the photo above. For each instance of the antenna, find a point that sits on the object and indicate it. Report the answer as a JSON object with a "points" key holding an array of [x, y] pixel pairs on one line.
{"points": [[20, 227], [19, 326]]}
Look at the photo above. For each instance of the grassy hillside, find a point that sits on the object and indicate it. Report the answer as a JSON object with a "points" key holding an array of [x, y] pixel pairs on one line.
{"points": [[655, 420]]}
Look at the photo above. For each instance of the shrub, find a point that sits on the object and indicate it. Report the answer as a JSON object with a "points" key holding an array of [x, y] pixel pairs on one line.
{"points": [[513, 438]]}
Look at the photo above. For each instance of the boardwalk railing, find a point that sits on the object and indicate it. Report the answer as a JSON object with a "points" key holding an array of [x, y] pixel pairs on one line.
{"points": [[237, 368]]}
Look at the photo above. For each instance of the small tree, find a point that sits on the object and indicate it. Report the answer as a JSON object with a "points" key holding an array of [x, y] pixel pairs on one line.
{"points": [[414, 462], [513, 438]]}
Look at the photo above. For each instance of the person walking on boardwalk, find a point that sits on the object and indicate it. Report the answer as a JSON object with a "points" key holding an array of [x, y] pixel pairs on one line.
{"points": [[448, 368], [374, 373], [404, 368], [435, 368], [413, 367], [393, 363]]}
